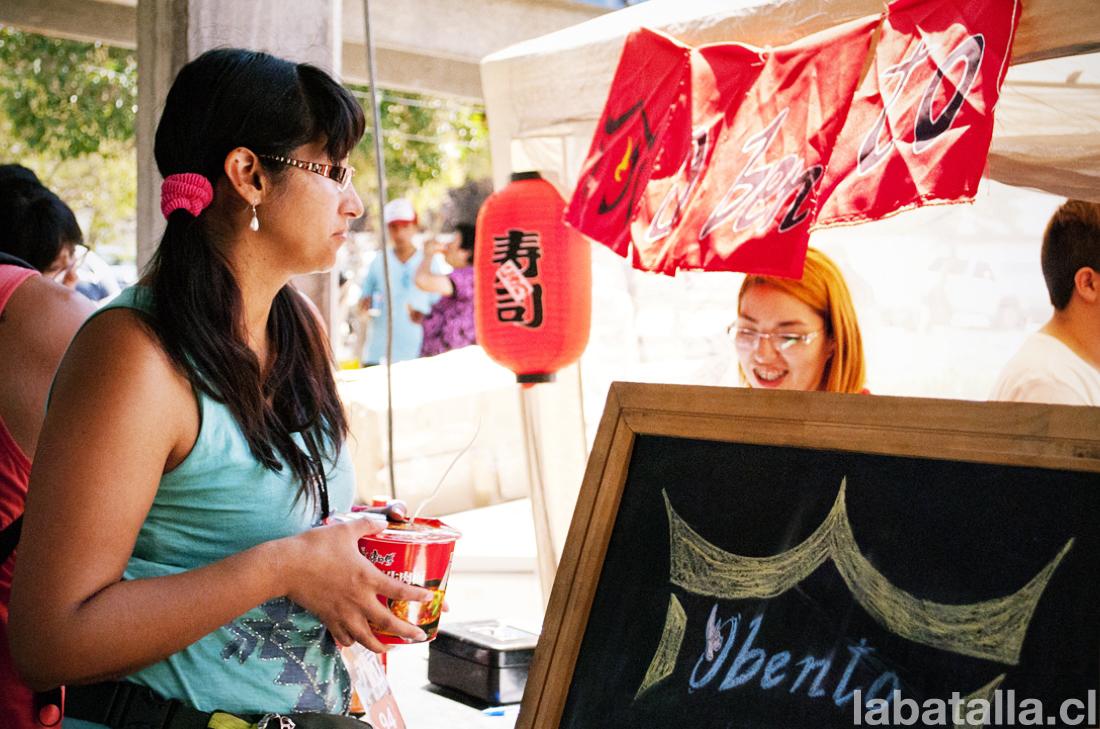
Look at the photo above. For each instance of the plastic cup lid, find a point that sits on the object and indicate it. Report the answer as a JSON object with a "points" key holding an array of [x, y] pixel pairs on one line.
{"points": [[423, 531]]}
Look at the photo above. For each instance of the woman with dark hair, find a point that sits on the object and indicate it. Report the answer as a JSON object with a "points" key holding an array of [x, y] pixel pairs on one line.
{"points": [[38, 226], [450, 323], [173, 530]]}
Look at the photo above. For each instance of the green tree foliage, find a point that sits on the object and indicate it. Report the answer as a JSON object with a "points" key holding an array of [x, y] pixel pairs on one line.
{"points": [[66, 98], [430, 144], [68, 109]]}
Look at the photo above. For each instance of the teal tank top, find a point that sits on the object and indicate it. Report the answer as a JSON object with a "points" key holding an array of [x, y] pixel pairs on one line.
{"points": [[220, 500]]}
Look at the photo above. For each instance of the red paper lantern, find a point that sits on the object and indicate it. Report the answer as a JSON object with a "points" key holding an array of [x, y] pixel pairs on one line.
{"points": [[532, 280]]}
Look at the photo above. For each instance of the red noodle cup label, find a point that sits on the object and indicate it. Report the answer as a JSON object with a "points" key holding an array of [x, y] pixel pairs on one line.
{"points": [[416, 554]]}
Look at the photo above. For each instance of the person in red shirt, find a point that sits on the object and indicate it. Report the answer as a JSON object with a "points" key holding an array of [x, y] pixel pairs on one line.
{"points": [[37, 320]]}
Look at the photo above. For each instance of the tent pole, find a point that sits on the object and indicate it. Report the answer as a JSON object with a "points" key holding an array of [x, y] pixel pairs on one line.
{"points": [[380, 166]]}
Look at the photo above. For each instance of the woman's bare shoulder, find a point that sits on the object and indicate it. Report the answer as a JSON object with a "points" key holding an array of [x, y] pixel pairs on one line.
{"points": [[41, 292], [118, 352], [44, 315]]}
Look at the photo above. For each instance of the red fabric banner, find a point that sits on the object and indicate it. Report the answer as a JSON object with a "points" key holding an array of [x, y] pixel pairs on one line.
{"points": [[725, 157], [747, 193], [920, 126], [647, 115]]}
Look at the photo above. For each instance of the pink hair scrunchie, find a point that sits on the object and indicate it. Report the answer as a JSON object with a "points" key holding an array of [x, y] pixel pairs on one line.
{"points": [[189, 191]]}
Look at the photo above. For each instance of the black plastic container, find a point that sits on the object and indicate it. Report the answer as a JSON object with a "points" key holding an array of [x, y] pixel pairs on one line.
{"points": [[485, 659]]}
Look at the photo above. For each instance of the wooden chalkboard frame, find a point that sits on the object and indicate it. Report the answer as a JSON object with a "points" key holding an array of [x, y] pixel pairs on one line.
{"points": [[1011, 434]]}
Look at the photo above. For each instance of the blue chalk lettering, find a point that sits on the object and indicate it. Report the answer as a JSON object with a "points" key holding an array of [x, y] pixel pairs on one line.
{"points": [[774, 669], [880, 683], [808, 664], [694, 683], [736, 677], [840, 694], [775, 664]]}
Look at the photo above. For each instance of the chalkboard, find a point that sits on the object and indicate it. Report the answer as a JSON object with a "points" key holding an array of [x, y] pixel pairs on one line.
{"points": [[752, 559]]}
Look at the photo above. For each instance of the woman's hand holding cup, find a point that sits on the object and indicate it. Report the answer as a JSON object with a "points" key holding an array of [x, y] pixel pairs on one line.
{"points": [[327, 575]]}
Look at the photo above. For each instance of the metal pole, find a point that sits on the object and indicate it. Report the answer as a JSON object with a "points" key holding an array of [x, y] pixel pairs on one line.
{"points": [[380, 165]]}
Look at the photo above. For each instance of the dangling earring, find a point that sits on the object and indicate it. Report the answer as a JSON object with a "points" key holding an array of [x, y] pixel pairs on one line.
{"points": [[254, 224]]}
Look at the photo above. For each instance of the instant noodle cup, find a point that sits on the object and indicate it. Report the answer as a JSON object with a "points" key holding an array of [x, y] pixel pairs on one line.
{"points": [[418, 553]]}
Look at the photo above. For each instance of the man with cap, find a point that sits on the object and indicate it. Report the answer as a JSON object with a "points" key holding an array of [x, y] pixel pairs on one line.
{"points": [[409, 303]]}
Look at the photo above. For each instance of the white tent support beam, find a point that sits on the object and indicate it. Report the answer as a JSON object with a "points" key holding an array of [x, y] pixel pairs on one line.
{"points": [[109, 22], [427, 46], [407, 71]]}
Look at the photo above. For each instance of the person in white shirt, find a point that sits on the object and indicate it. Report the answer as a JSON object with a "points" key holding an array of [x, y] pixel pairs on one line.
{"points": [[1060, 363]]}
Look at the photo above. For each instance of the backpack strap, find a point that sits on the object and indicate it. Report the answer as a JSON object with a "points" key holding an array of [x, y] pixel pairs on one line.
{"points": [[125, 705], [9, 260], [9, 537]]}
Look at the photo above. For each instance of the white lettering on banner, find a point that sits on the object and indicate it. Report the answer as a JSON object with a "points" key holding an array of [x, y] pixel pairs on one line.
{"points": [[759, 192], [668, 215], [871, 153], [927, 126]]}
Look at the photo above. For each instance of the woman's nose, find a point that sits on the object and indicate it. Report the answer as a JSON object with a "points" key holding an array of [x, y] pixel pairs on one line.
{"points": [[764, 351], [356, 203]]}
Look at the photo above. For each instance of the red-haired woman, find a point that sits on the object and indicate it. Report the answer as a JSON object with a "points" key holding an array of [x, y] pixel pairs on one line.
{"points": [[799, 334]]}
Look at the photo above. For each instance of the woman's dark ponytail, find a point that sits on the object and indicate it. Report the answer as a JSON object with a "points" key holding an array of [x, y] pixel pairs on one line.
{"points": [[291, 415]]}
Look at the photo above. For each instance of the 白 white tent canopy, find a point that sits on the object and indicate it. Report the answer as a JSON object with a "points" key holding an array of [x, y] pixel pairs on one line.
{"points": [[544, 96]]}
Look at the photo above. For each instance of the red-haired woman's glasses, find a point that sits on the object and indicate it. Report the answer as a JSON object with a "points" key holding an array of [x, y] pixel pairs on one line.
{"points": [[749, 339], [341, 175]]}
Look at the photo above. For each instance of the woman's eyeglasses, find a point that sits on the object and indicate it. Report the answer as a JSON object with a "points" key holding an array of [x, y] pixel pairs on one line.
{"points": [[341, 175], [749, 339]]}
